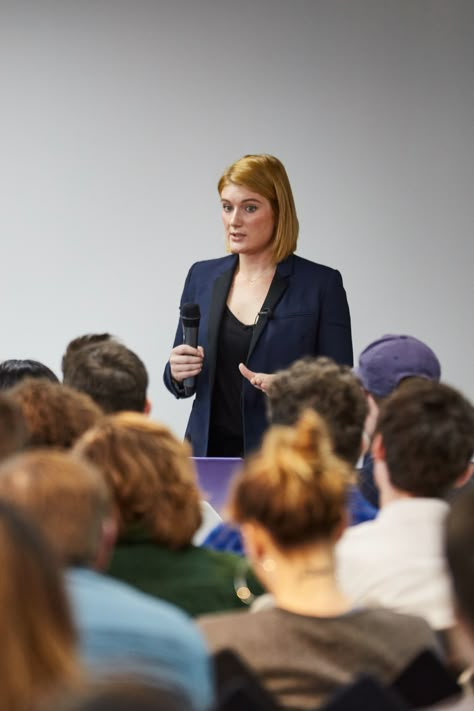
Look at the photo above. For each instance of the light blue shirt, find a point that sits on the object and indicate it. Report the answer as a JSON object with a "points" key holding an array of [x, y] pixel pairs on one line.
{"points": [[123, 630]]}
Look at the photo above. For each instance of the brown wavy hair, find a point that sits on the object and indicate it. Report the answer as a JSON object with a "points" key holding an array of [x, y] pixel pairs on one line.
{"points": [[150, 474], [36, 628], [295, 486], [55, 414]]}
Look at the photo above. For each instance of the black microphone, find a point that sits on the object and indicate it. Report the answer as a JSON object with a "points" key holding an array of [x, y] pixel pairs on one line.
{"points": [[190, 317]]}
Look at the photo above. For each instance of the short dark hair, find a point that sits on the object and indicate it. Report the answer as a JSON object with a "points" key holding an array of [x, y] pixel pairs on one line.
{"points": [[427, 430], [14, 370], [13, 430], [109, 372], [332, 390], [459, 546]]}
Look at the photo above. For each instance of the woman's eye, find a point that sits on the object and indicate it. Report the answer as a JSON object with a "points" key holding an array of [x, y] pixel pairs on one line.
{"points": [[251, 208], [227, 208]]}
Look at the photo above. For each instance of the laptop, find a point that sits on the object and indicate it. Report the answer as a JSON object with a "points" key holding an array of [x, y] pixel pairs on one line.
{"points": [[214, 477]]}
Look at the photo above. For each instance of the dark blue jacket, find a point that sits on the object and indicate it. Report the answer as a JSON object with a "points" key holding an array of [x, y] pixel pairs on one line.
{"points": [[305, 314]]}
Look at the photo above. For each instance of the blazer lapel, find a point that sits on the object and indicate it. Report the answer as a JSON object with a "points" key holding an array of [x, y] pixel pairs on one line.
{"points": [[277, 288], [218, 300]]}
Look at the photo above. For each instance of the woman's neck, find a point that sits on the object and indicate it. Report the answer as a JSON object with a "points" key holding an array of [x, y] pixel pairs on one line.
{"points": [[253, 266], [307, 585]]}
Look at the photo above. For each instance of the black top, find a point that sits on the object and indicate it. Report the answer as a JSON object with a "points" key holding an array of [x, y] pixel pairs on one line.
{"points": [[226, 428]]}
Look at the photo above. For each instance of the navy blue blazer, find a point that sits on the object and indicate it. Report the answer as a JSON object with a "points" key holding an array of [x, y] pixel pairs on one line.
{"points": [[305, 313]]}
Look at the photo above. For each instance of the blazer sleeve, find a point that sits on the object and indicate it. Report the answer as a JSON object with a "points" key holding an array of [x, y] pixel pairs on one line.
{"points": [[175, 388], [335, 336]]}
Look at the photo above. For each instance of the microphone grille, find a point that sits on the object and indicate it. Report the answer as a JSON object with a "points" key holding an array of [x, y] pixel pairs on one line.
{"points": [[190, 311]]}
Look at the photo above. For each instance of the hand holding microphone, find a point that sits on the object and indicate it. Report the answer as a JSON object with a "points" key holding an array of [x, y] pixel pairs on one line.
{"points": [[186, 360]]}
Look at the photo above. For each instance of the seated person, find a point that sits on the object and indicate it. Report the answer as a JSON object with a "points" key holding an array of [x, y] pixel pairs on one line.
{"points": [[55, 415], [39, 654], [14, 370], [459, 547], [334, 392], [422, 448], [121, 631], [290, 502], [383, 366], [110, 373], [157, 501]]}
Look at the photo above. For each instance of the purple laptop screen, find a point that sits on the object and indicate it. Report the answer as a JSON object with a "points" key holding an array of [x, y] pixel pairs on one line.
{"points": [[214, 476]]}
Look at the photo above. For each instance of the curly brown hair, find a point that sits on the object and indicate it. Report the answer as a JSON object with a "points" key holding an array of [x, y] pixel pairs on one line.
{"points": [[55, 414], [150, 474], [332, 390], [13, 432], [295, 486]]}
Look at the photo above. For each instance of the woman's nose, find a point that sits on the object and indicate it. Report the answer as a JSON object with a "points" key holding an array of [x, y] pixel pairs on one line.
{"points": [[235, 217]]}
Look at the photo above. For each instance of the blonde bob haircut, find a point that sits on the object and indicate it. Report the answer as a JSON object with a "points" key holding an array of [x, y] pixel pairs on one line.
{"points": [[150, 475], [295, 487], [266, 175]]}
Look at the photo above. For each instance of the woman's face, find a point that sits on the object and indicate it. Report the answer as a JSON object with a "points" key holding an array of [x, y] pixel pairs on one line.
{"points": [[248, 220]]}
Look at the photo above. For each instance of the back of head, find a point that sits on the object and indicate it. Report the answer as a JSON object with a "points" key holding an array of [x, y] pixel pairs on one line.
{"points": [[55, 415], [294, 487], [13, 431], [36, 628], [384, 363], [427, 430], [109, 372], [459, 544], [332, 390], [13, 371], [150, 474], [266, 175], [67, 498]]}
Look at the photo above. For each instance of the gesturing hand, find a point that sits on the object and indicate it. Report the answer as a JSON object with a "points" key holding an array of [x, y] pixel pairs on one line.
{"points": [[261, 381]]}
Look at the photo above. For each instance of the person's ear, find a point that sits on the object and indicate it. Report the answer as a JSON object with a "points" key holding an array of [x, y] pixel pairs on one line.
{"points": [[465, 476], [378, 449], [254, 540], [108, 537], [147, 408]]}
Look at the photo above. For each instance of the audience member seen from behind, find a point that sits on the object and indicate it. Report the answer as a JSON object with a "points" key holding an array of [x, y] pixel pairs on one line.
{"points": [[157, 500], [14, 370], [459, 547], [290, 502], [122, 696], [55, 415], [38, 639], [334, 392], [109, 372], [422, 448], [383, 366], [121, 631], [13, 432]]}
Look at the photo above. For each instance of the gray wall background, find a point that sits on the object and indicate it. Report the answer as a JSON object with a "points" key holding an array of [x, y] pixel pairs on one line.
{"points": [[118, 117]]}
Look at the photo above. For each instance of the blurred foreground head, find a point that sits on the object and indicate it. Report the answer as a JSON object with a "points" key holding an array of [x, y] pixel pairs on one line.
{"points": [[294, 487], [67, 499], [150, 475], [55, 415], [36, 628]]}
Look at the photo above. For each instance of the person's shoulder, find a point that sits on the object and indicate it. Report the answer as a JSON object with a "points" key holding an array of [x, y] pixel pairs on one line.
{"points": [[211, 266], [398, 625], [101, 597], [302, 266]]}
